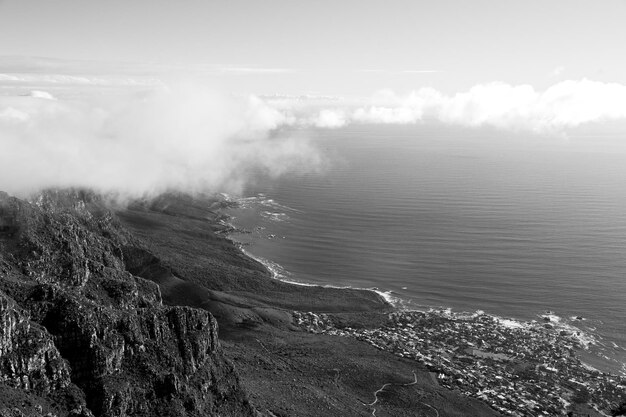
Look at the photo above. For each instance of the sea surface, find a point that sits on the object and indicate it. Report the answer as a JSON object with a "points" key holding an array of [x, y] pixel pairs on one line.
{"points": [[521, 226]]}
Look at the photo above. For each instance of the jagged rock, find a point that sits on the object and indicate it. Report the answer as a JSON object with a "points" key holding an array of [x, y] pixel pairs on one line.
{"points": [[30, 362], [28, 358], [80, 320]]}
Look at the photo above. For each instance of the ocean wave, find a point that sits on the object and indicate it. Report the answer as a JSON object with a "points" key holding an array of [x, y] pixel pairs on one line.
{"points": [[560, 324], [274, 216], [260, 200], [269, 202], [389, 297], [277, 271]]}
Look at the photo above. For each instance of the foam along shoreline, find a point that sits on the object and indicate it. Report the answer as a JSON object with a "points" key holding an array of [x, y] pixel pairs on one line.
{"points": [[280, 274]]}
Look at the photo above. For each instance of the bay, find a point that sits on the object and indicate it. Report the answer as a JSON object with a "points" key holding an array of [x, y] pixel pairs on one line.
{"points": [[517, 225]]}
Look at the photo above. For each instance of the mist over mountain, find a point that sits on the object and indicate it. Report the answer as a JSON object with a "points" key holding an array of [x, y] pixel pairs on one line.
{"points": [[140, 135], [185, 138]]}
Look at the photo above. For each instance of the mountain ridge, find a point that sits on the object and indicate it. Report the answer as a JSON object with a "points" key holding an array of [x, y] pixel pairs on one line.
{"points": [[106, 343]]}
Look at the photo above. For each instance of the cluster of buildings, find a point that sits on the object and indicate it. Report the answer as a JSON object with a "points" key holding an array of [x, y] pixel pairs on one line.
{"points": [[518, 368]]}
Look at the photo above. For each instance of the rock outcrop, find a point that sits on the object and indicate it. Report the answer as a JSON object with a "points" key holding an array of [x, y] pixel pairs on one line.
{"points": [[81, 335]]}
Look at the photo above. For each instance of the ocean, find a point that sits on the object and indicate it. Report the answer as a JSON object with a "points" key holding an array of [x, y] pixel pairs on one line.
{"points": [[517, 225]]}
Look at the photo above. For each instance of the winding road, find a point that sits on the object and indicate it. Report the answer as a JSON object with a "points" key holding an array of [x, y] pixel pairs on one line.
{"points": [[388, 384]]}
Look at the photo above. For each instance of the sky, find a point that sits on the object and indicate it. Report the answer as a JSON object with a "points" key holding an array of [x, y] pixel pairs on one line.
{"points": [[347, 47], [143, 96]]}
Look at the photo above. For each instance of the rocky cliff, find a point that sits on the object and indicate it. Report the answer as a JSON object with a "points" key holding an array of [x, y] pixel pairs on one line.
{"points": [[81, 335]]}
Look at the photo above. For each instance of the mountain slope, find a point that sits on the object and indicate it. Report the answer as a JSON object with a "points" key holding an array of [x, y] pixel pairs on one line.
{"points": [[82, 335]]}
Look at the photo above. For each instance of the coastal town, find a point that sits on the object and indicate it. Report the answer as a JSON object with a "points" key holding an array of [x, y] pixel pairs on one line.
{"points": [[518, 368]]}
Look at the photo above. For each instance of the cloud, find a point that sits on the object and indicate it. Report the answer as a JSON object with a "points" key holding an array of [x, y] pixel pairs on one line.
{"points": [[191, 138], [330, 118], [42, 94], [565, 105], [184, 138], [387, 115], [11, 115]]}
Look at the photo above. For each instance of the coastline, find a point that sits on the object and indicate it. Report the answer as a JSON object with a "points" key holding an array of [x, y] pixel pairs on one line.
{"points": [[277, 272], [472, 366], [275, 269], [489, 384], [253, 225]]}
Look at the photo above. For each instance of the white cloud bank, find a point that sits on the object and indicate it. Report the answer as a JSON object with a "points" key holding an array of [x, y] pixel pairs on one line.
{"points": [[562, 106], [567, 104], [186, 139], [193, 139]]}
